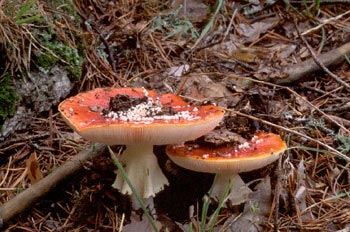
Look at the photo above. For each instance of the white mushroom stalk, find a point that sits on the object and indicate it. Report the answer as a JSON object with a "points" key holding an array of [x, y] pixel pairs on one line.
{"points": [[141, 166]]}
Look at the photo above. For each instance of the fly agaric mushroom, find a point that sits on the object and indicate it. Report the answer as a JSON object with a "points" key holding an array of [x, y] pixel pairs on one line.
{"points": [[139, 119], [227, 162]]}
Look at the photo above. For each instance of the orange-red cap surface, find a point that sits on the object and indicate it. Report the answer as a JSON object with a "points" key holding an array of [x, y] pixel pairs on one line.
{"points": [[83, 113], [263, 149]]}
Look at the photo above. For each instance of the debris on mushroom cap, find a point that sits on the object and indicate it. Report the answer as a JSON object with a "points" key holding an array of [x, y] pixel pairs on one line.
{"points": [[144, 110], [153, 119], [261, 150]]}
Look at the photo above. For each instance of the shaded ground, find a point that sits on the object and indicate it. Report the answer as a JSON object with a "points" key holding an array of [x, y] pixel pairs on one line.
{"points": [[241, 63]]}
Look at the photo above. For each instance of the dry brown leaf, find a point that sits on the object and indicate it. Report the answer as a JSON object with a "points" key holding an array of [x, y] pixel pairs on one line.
{"points": [[301, 193], [220, 137], [245, 55], [195, 10], [252, 32], [255, 211], [202, 88], [301, 104], [34, 173]]}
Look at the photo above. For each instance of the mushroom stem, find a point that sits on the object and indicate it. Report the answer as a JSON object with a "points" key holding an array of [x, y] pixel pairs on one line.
{"points": [[141, 167], [239, 191]]}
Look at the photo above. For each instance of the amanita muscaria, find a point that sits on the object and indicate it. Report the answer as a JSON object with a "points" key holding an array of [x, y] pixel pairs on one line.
{"points": [[153, 120], [228, 161]]}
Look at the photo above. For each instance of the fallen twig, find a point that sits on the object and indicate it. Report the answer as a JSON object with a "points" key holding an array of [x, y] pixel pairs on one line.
{"points": [[31, 195], [298, 71], [319, 62], [21, 139], [327, 21], [110, 57]]}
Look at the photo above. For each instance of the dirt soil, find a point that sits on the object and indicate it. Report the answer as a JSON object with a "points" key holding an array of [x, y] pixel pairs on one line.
{"points": [[280, 67]]}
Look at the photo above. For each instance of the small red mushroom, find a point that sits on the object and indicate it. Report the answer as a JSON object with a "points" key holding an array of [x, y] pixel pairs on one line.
{"points": [[139, 127], [227, 162]]}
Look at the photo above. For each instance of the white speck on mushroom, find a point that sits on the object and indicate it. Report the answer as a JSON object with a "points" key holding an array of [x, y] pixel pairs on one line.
{"points": [[205, 156], [145, 92], [244, 145], [254, 138]]}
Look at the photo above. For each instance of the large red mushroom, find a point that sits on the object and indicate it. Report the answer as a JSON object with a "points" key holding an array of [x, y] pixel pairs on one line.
{"points": [[139, 119], [228, 161]]}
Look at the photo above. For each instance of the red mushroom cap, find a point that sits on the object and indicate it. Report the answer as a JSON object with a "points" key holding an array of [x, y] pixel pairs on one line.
{"points": [[263, 149], [83, 113]]}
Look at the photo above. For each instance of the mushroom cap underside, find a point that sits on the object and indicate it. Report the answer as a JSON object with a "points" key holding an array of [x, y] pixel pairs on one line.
{"points": [[262, 150], [83, 113]]}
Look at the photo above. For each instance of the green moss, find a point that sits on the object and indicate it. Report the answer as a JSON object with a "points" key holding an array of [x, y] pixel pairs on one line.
{"points": [[8, 99], [57, 51], [46, 61]]}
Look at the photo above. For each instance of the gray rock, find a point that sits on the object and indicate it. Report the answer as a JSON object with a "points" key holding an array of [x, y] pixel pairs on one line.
{"points": [[38, 93]]}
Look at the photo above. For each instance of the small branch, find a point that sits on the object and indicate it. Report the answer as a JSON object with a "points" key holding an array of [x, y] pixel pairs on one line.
{"points": [[104, 41], [327, 21], [31, 195], [23, 139], [298, 71], [319, 62]]}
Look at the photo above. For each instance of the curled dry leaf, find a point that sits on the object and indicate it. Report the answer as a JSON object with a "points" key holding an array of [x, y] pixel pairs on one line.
{"points": [[34, 173], [251, 32], [195, 10], [220, 137]]}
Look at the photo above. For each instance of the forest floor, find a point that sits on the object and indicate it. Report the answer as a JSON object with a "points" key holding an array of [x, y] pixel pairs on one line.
{"points": [[280, 67]]}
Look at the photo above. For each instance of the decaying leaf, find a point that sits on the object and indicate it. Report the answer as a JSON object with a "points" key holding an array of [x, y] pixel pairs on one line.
{"points": [[301, 104], [240, 193], [301, 193], [246, 55], [219, 137], [255, 209], [34, 173], [201, 87], [179, 71], [251, 32], [194, 10]]}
